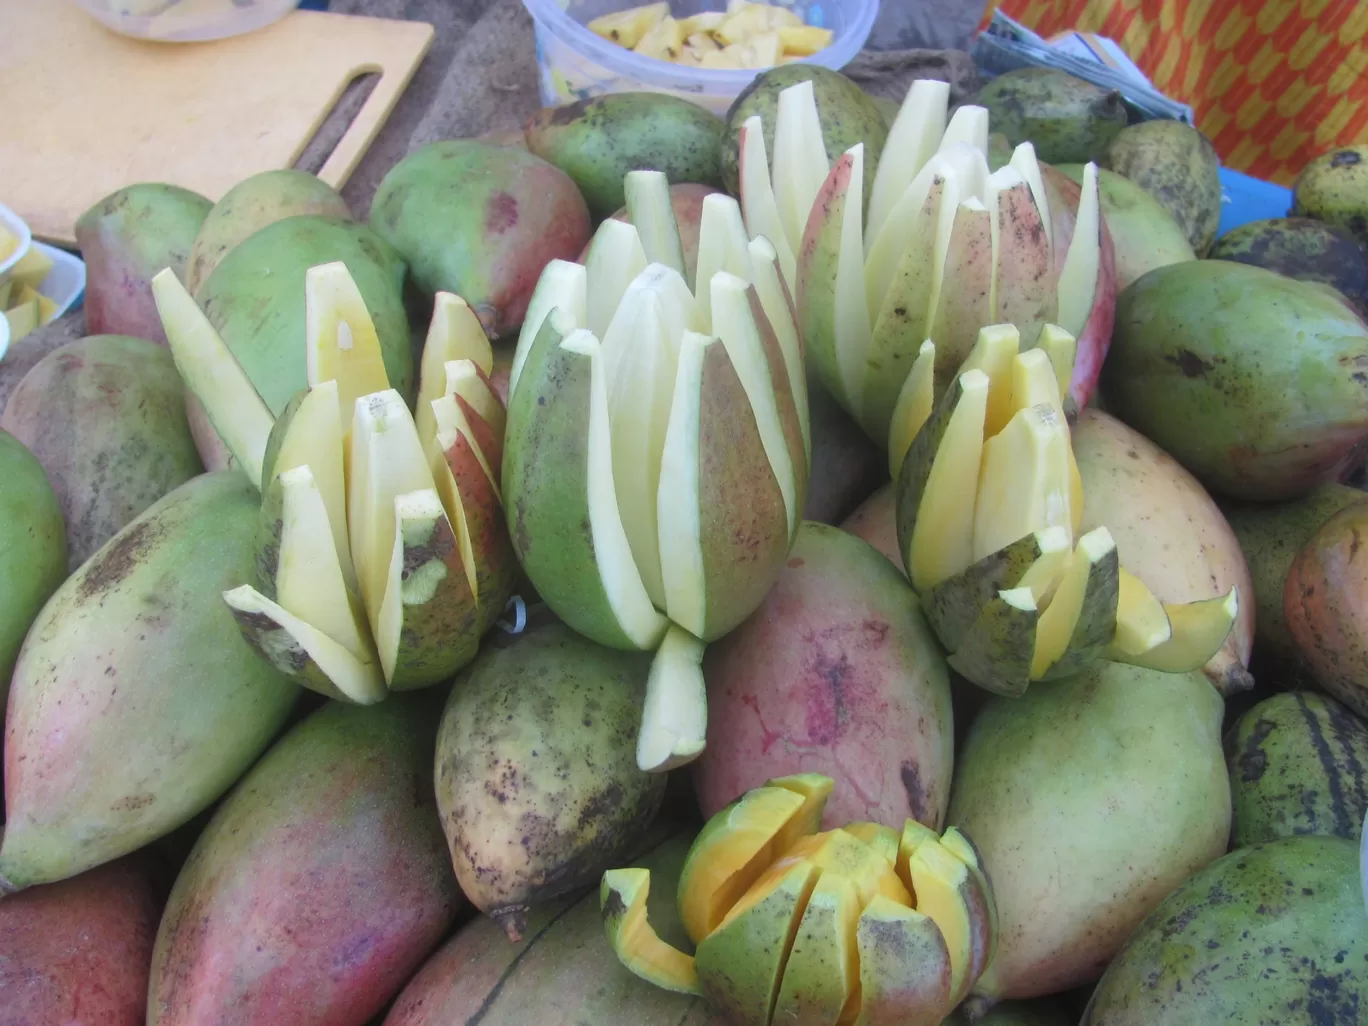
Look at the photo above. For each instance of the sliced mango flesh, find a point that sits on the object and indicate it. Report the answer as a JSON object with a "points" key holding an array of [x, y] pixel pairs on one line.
{"points": [[995, 354], [959, 845], [942, 538], [948, 893], [758, 203], [563, 286], [626, 28], [734, 848], [616, 256], [1141, 621], [741, 964], [1078, 276], [1199, 629], [454, 333], [839, 852], [777, 305], [799, 165], [466, 382], [904, 966], [679, 519], [340, 340], [912, 140], [914, 835], [882, 839], [1062, 348], [622, 899], [915, 402], [723, 246], [674, 719], [822, 975], [1078, 615], [1023, 480], [652, 214]]}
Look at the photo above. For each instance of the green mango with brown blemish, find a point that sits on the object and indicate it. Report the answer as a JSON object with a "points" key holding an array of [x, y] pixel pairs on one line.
{"points": [[1298, 765], [537, 779], [1334, 188], [599, 140], [1303, 249], [1068, 120], [1270, 934], [1257, 383], [136, 702], [1178, 166]]}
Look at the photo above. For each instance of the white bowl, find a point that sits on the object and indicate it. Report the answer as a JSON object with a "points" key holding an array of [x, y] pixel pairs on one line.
{"points": [[16, 226]]}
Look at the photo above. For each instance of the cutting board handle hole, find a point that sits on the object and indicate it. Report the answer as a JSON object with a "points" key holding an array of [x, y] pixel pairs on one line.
{"points": [[338, 120]]}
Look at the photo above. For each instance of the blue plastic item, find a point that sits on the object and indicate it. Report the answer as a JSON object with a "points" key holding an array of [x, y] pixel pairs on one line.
{"points": [[1245, 199], [313, 5]]}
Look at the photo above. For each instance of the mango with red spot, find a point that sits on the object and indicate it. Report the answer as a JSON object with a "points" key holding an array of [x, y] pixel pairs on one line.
{"points": [[481, 221]]}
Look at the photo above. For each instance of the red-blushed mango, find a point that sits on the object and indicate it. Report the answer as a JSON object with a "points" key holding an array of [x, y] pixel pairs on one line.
{"points": [[76, 953], [1325, 602], [686, 198], [321, 883], [876, 521], [480, 221], [125, 239], [562, 973], [106, 418], [1062, 196], [836, 673]]}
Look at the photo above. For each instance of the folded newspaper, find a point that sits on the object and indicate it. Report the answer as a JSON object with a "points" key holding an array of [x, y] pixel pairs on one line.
{"points": [[1006, 45]]}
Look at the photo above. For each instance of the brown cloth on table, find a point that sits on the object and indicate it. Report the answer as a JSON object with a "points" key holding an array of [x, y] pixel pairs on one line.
{"points": [[480, 77]]}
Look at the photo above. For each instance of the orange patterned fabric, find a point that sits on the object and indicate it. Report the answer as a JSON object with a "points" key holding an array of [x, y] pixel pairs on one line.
{"points": [[1273, 83]]}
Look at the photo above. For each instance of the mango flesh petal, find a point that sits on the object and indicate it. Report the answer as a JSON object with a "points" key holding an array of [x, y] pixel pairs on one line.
{"points": [[912, 140], [1023, 480], [622, 899], [759, 206], [995, 354], [913, 836], [822, 975], [616, 256], [882, 839], [1024, 161], [941, 541], [963, 848], [563, 286], [915, 402], [948, 893], [905, 968], [969, 124], [1199, 629], [730, 853], [1062, 348], [777, 304], [741, 963], [484, 411], [652, 215], [454, 333], [799, 163], [1141, 621], [723, 247], [674, 718], [341, 343], [1078, 276]]}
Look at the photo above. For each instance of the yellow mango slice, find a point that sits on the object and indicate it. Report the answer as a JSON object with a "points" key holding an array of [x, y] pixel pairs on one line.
{"points": [[626, 28], [622, 899]]}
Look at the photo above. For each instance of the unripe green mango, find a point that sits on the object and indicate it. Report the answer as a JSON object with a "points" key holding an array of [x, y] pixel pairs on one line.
{"points": [[1297, 765], [136, 703], [251, 205], [1178, 166], [1334, 188], [1303, 249], [1068, 120], [596, 141], [321, 883], [106, 418], [1257, 383], [537, 779], [33, 559], [1274, 933]]}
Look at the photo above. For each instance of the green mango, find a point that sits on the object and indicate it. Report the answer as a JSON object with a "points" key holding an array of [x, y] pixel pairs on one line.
{"points": [[537, 779], [251, 205], [596, 141], [328, 853], [1066, 791], [105, 416], [888, 108], [1297, 766], [136, 702], [1334, 188], [1270, 535], [1257, 383], [1274, 933], [1178, 166], [255, 300], [125, 239], [1304, 249], [33, 554], [480, 221], [848, 114], [1068, 120]]}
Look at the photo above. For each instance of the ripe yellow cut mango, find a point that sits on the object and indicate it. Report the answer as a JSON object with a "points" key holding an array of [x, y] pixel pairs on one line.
{"points": [[626, 28]]}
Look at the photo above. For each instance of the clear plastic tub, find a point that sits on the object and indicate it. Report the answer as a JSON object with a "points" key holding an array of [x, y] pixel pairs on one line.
{"points": [[186, 21], [576, 64]]}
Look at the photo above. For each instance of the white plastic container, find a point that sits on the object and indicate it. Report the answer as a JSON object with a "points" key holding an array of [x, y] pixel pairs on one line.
{"points": [[576, 64], [186, 21], [16, 226], [64, 284]]}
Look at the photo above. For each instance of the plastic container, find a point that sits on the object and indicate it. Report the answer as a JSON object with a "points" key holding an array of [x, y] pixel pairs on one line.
{"points": [[576, 64], [16, 226], [186, 21], [1245, 199], [64, 284]]}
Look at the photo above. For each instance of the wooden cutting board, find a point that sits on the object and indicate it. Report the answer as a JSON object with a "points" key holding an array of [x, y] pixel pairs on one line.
{"points": [[88, 111]]}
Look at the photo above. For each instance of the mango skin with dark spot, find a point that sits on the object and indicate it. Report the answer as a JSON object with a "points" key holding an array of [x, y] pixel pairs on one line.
{"points": [[537, 781], [321, 883], [1324, 602], [106, 418], [1069, 121], [1256, 383], [481, 221], [1270, 935], [1178, 166], [1303, 249], [136, 702], [1334, 188], [836, 673], [598, 140], [1298, 765]]}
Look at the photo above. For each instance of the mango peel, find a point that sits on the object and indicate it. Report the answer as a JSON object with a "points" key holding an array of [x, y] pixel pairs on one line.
{"points": [[939, 248], [792, 924], [383, 556], [657, 445], [989, 512]]}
